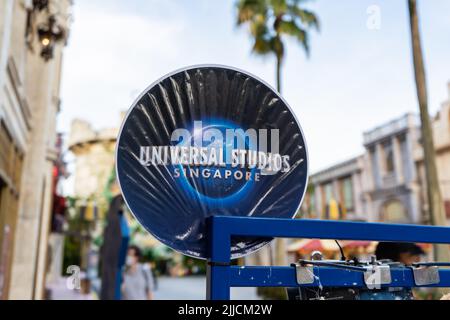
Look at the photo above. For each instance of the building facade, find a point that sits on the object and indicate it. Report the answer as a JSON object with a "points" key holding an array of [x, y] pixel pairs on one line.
{"points": [[441, 135], [387, 182], [392, 190], [94, 162], [334, 192], [95, 185], [32, 37]]}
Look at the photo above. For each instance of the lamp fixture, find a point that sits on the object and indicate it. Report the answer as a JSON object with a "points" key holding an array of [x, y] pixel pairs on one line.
{"points": [[49, 33]]}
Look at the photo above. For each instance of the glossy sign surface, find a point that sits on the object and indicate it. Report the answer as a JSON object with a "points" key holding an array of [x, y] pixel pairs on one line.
{"points": [[210, 140]]}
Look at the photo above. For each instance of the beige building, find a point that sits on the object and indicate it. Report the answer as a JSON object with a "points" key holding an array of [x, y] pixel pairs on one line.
{"points": [[94, 177], [387, 182], [441, 134], [94, 161], [32, 37], [341, 184]]}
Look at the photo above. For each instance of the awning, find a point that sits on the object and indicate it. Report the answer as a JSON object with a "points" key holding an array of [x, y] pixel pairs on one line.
{"points": [[313, 245], [355, 244]]}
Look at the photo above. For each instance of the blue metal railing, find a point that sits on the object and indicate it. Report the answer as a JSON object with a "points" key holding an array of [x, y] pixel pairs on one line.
{"points": [[221, 276]]}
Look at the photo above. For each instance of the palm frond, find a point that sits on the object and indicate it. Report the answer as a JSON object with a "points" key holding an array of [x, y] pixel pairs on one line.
{"points": [[262, 46], [308, 18], [249, 9], [279, 7], [292, 29], [269, 20], [278, 47], [258, 26]]}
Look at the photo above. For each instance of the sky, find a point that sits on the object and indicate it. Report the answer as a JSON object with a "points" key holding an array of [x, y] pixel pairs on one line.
{"points": [[356, 78]]}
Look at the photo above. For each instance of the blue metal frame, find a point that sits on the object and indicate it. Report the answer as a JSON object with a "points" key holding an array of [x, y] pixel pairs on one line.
{"points": [[221, 276]]}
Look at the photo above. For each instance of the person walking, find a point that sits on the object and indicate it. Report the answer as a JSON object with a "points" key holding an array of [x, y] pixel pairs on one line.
{"points": [[406, 253], [137, 277]]}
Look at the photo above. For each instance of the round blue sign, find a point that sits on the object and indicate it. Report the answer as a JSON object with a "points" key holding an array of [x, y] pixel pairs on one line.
{"points": [[210, 140]]}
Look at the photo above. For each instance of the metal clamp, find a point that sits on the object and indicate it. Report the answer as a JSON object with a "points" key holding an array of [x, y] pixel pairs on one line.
{"points": [[426, 275], [305, 269], [304, 275], [377, 275], [333, 264]]}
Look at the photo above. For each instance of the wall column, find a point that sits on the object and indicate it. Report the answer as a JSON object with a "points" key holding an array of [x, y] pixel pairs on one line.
{"points": [[357, 193], [319, 201], [32, 216], [398, 165], [377, 166]]}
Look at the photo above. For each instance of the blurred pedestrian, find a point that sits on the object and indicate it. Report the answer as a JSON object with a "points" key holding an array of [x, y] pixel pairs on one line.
{"points": [[403, 252], [137, 278]]}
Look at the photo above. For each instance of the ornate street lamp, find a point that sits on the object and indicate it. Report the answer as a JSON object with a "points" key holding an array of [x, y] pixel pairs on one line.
{"points": [[40, 4], [49, 33]]}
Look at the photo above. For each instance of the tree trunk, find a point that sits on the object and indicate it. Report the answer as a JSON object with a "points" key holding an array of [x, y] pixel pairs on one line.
{"points": [[279, 63], [279, 244], [435, 203]]}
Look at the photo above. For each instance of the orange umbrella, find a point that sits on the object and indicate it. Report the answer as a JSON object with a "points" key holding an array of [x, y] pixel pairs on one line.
{"points": [[356, 244], [313, 245], [425, 246]]}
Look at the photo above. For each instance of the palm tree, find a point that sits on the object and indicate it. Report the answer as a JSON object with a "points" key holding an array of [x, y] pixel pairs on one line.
{"points": [[270, 20], [435, 203]]}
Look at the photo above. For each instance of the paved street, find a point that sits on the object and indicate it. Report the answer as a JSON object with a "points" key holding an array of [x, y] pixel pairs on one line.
{"points": [[60, 291], [189, 288], [193, 288]]}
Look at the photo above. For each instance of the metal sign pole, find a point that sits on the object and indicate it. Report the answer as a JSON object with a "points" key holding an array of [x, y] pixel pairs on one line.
{"points": [[218, 268]]}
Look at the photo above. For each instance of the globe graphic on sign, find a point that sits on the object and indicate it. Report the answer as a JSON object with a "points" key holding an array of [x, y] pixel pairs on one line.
{"points": [[204, 141], [227, 181]]}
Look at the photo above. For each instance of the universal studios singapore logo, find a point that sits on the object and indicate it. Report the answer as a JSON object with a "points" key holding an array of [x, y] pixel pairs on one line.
{"points": [[219, 151], [209, 140]]}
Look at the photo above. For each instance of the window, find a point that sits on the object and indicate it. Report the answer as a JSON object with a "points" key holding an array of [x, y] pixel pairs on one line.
{"points": [[406, 158], [388, 158], [11, 159], [375, 166], [17, 173], [332, 204], [5, 149], [447, 208], [328, 192], [327, 195], [347, 195]]}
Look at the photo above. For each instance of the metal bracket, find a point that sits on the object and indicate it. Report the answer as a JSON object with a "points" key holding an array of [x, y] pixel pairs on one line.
{"points": [[426, 275], [376, 276], [305, 275]]}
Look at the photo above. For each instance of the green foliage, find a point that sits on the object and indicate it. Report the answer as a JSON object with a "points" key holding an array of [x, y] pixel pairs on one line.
{"points": [[270, 20], [272, 293], [72, 252], [107, 192], [76, 234], [195, 266]]}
